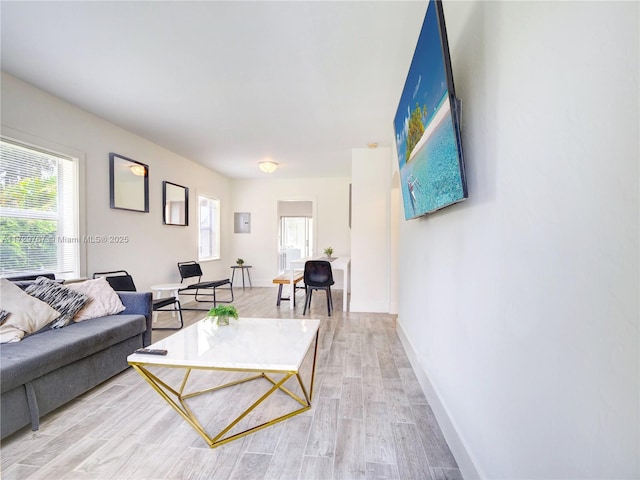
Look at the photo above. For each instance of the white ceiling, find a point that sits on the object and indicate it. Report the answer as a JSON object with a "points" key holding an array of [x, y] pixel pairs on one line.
{"points": [[226, 84]]}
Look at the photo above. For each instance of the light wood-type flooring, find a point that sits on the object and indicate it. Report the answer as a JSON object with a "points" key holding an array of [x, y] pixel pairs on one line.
{"points": [[369, 418]]}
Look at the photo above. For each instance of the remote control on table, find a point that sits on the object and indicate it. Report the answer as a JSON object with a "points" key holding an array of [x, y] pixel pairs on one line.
{"points": [[151, 351]]}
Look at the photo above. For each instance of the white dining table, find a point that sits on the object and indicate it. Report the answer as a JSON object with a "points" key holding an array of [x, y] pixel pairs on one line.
{"points": [[342, 264]]}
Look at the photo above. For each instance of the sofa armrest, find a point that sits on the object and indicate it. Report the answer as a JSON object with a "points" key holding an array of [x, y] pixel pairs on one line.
{"points": [[139, 303]]}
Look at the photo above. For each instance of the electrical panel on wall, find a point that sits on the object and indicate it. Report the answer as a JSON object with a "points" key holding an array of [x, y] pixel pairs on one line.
{"points": [[241, 222]]}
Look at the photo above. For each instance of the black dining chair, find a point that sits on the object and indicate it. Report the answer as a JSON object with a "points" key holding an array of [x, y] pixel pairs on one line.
{"points": [[318, 276], [121, 281]]}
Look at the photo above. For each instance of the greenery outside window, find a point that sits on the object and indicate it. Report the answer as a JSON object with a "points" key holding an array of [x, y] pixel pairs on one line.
{"points": [[38, 211], [209, 224]]}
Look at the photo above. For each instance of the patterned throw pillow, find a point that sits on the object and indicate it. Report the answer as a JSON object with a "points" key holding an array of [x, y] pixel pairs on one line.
{"points": [[3, 315], [62, 299]]}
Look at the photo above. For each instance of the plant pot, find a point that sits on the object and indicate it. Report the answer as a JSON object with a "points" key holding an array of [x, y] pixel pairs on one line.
{"points": [[223, 319]]}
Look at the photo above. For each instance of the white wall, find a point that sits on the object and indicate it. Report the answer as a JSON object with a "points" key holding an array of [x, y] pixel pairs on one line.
{"points": [[520, 306], [153, 249], [370, 224], [330, 197]]}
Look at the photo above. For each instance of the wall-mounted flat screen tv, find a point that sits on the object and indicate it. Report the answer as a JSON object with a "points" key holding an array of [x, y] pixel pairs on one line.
{"points": [[427, 125]]}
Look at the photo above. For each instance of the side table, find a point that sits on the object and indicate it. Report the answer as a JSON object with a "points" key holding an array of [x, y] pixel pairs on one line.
{"points": [[242, 268], [159, 292]]}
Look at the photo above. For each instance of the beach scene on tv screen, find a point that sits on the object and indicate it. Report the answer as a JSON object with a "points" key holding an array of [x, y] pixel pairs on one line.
{"points": [[426, 138]]}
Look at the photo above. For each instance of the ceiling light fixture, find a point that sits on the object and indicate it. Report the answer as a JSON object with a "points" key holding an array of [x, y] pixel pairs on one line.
{"points": [[268, 166], [138, 170]]}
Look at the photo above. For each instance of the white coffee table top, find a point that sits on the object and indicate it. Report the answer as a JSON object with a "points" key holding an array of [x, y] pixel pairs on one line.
{"points": [[262, 344]]}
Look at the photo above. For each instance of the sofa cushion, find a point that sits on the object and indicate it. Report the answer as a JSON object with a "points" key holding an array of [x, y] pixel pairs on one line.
{"points": [[66, 301], [28, 314], [104, 299], [51, 349]]}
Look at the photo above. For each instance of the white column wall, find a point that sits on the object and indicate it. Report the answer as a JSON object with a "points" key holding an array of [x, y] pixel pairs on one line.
{"points": [[370, 230]]}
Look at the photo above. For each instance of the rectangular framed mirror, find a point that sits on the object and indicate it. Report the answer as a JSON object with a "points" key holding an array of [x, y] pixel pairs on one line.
{"points": [[175, 204], [129, 184]]}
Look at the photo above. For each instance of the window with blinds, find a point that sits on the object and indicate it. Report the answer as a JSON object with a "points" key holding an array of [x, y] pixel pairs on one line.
{"points": [[38, 212], [209, 233]]}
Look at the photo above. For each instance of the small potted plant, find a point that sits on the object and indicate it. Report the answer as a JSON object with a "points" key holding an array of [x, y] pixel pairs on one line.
{"points": [[222, 313], [240, 262], [328, 252]]}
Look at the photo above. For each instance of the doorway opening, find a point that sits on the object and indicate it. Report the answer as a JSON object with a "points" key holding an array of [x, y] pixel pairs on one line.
{"points": [[295, 238]]}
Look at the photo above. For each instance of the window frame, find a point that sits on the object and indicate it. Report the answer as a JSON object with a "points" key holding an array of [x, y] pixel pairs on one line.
{"points": [[71, 238], [214, 229]]}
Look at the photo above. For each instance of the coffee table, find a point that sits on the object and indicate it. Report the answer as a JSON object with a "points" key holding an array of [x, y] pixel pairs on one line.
{"points": [[271, 350]]}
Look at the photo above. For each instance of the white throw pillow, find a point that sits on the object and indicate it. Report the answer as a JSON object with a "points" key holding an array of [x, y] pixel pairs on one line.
{"points": [[28, 314], [104, 300]]}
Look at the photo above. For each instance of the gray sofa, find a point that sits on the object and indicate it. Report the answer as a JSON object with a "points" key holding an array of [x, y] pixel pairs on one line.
{"points": [[51, 367]]}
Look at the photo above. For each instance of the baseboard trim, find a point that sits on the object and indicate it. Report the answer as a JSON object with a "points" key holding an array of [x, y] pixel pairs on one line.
{"points": [[465, 462], [368, 306]]}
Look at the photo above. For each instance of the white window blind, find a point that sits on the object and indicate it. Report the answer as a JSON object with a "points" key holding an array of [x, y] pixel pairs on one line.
{"points": [[209, 234], [38, 212]]}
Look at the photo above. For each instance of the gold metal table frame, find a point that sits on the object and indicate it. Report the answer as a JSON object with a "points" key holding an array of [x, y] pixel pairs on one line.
{"points": [[177, 398]]}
